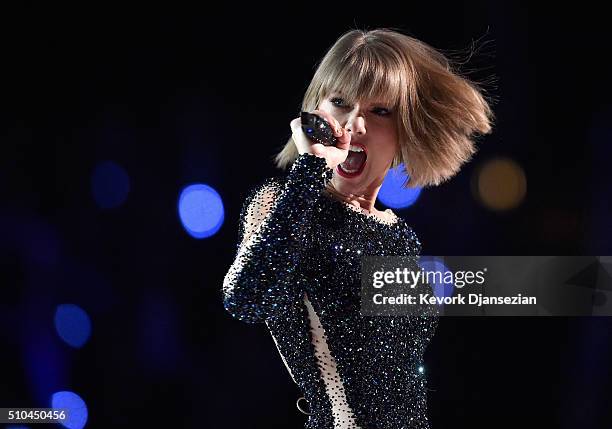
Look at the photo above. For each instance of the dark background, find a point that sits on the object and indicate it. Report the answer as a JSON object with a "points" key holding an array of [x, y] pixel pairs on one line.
{"points": [[184, 96]]}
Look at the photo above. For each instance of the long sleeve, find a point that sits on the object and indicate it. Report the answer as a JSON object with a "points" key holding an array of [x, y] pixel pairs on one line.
{"points": [[274, 229]]}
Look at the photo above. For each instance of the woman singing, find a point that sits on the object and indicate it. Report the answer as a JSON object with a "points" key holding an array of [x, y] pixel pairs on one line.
{"points": [[390, 99]]}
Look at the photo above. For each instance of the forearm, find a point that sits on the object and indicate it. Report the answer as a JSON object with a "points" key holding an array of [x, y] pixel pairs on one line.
{"points": [[261, 281]]}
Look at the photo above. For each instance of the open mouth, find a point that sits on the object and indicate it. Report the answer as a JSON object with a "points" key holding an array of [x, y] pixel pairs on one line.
{"points": [[355, 161]]}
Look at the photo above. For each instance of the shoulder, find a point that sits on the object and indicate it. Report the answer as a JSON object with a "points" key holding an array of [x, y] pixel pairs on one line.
{"points": [[389, 216], [258, 203], [263, 190]]}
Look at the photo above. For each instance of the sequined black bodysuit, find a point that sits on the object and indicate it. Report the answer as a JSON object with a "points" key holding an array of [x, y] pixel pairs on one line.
{"points": [[297, 269]]}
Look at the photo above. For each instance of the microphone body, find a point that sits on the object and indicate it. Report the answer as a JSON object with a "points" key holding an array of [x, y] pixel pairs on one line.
{"points": [[317, 129]]}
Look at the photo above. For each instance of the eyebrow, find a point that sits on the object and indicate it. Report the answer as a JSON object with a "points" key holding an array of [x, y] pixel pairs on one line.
{"points": [[382, 104]]}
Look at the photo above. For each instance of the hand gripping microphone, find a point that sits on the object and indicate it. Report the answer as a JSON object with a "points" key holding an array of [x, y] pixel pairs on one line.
{"points": [[317, 129]]}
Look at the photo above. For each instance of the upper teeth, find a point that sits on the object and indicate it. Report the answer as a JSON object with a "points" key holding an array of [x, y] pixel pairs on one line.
{"points": [[355, 148]]}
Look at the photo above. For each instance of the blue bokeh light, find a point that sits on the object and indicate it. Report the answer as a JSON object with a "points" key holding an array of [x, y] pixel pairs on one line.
{"points": [[72, 324], [201, 210], [440, 289], [392, 194], [77, 409], [110, 185]]}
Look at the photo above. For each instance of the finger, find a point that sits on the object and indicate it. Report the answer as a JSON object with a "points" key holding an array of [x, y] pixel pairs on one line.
{"points": [[318, 149], [344, 140], [333, 123], [295, 124]]}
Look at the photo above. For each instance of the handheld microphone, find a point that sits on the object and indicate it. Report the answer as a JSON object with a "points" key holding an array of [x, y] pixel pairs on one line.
{"points": [[317, 129]]}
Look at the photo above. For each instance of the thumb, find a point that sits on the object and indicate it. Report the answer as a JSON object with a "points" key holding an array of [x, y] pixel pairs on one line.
{"points": [[344, 141]]}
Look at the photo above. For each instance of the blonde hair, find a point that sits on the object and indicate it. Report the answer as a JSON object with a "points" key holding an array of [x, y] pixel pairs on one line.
{"points": [[438, 111]]}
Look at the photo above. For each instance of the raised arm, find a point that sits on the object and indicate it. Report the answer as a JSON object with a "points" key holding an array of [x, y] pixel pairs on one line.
{"points": [[275, 227]]}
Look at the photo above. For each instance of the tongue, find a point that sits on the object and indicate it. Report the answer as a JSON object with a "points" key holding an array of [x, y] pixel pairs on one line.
{"points": [[354, 161]]}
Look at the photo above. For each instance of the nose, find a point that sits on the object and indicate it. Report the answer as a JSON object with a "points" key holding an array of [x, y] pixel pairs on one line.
{"points": [[356, 124]]}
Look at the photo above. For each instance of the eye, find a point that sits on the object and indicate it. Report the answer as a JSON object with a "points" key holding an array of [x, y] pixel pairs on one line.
{"points": [[338, 102], [381, 111]]}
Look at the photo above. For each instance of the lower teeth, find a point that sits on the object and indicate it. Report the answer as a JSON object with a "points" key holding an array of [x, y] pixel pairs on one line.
{"points": [[346, 170]]}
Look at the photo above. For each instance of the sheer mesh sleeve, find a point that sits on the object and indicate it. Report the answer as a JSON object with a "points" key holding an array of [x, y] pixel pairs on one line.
{"points": [[274, 227]]}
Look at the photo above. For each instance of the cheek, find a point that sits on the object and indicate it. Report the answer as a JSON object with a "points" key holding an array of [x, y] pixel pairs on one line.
{"points": [[386, 144], [385, 153], [325, 106], [389, 145], [387, 136]]}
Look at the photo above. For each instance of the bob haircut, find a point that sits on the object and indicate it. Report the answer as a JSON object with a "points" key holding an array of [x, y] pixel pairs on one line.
{"points": [[437, 110]]}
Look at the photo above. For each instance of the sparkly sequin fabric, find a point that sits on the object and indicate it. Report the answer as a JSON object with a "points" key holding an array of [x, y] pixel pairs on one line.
{"points": [[297, 268]]}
